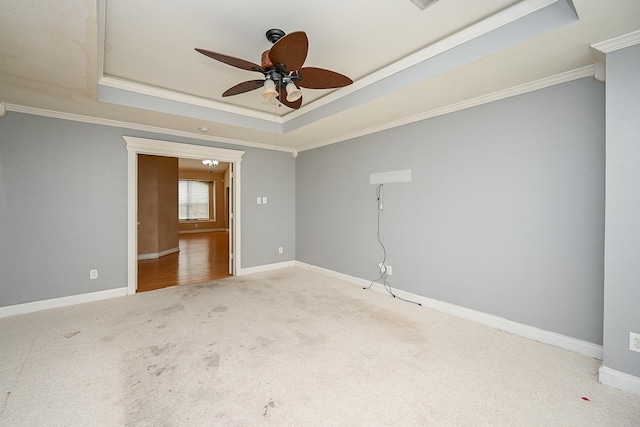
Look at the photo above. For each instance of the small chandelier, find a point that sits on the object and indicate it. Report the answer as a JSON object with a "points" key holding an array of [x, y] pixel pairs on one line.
{"points": [[211, 165]]}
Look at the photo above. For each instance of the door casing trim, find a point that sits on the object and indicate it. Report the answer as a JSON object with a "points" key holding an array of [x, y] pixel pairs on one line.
{"points": [[154, 147]]}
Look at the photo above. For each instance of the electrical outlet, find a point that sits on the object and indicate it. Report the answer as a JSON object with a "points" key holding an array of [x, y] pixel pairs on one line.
{"points": [[634, 342], [93, 274], [280, 250], [385, 269]]}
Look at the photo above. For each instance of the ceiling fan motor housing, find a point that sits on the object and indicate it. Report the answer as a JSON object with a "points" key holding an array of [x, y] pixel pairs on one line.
{"points": [[266, 62]]}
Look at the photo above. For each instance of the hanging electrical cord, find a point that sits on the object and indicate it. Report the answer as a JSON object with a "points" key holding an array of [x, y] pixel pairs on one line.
{"points": [[383, 265]]}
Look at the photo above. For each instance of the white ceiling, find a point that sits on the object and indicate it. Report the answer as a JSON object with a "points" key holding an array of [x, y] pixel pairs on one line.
{"points": [[134, 61]]}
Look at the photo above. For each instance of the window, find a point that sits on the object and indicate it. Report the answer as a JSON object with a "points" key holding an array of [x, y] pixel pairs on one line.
{"points": [[193, 200]]}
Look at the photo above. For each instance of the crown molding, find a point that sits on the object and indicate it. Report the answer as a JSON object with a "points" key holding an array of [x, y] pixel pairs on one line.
{"points": [[579, 73], [600, 72], [474, 31], [140, 127], [587, 71], [601, 49], [129, 86], [617, 43]]}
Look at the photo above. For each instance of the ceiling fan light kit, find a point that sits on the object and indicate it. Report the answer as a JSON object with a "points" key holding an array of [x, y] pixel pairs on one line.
{"points": [[293, 92], [269, 89], [269, 93], [282, 69]]}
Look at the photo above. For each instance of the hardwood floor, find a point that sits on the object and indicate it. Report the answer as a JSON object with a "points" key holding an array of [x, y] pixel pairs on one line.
{"points": [[202, 257]]}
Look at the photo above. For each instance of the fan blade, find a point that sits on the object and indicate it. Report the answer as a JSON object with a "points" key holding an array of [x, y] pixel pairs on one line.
{"points": [[230, 60], [319, 78], [244, 87], [290, 50], [282, 97]]}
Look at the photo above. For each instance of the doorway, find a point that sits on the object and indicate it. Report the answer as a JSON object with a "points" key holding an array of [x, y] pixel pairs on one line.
{"points": [[183, 223], [136, 146]]}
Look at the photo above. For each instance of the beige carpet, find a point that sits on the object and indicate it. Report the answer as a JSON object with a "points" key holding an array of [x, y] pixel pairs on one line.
{"points": [[288, 348]]}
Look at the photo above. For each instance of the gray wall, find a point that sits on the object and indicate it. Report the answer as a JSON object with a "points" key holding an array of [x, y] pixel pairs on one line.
{"points": [[63, 206], [265, 228], [505, 212], [622, 242]]}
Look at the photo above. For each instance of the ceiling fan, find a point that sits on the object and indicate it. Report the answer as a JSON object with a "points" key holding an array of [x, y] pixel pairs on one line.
{"points": [[283, 72]]}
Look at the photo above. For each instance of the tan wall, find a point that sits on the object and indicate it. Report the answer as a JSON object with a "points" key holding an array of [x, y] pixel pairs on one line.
{"points": [[157, 204], [220, 222], [147, 205], [168, 237]]}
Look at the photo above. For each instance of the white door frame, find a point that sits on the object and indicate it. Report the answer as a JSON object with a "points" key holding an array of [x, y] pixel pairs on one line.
{"points": [[154, 147]]}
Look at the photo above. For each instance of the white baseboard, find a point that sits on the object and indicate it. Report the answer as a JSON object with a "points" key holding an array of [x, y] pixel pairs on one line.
{"points": [[267, 267], [157, 255], [335, 274], [619, 380], [608, 376], [31, 307], [568, 343]]}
